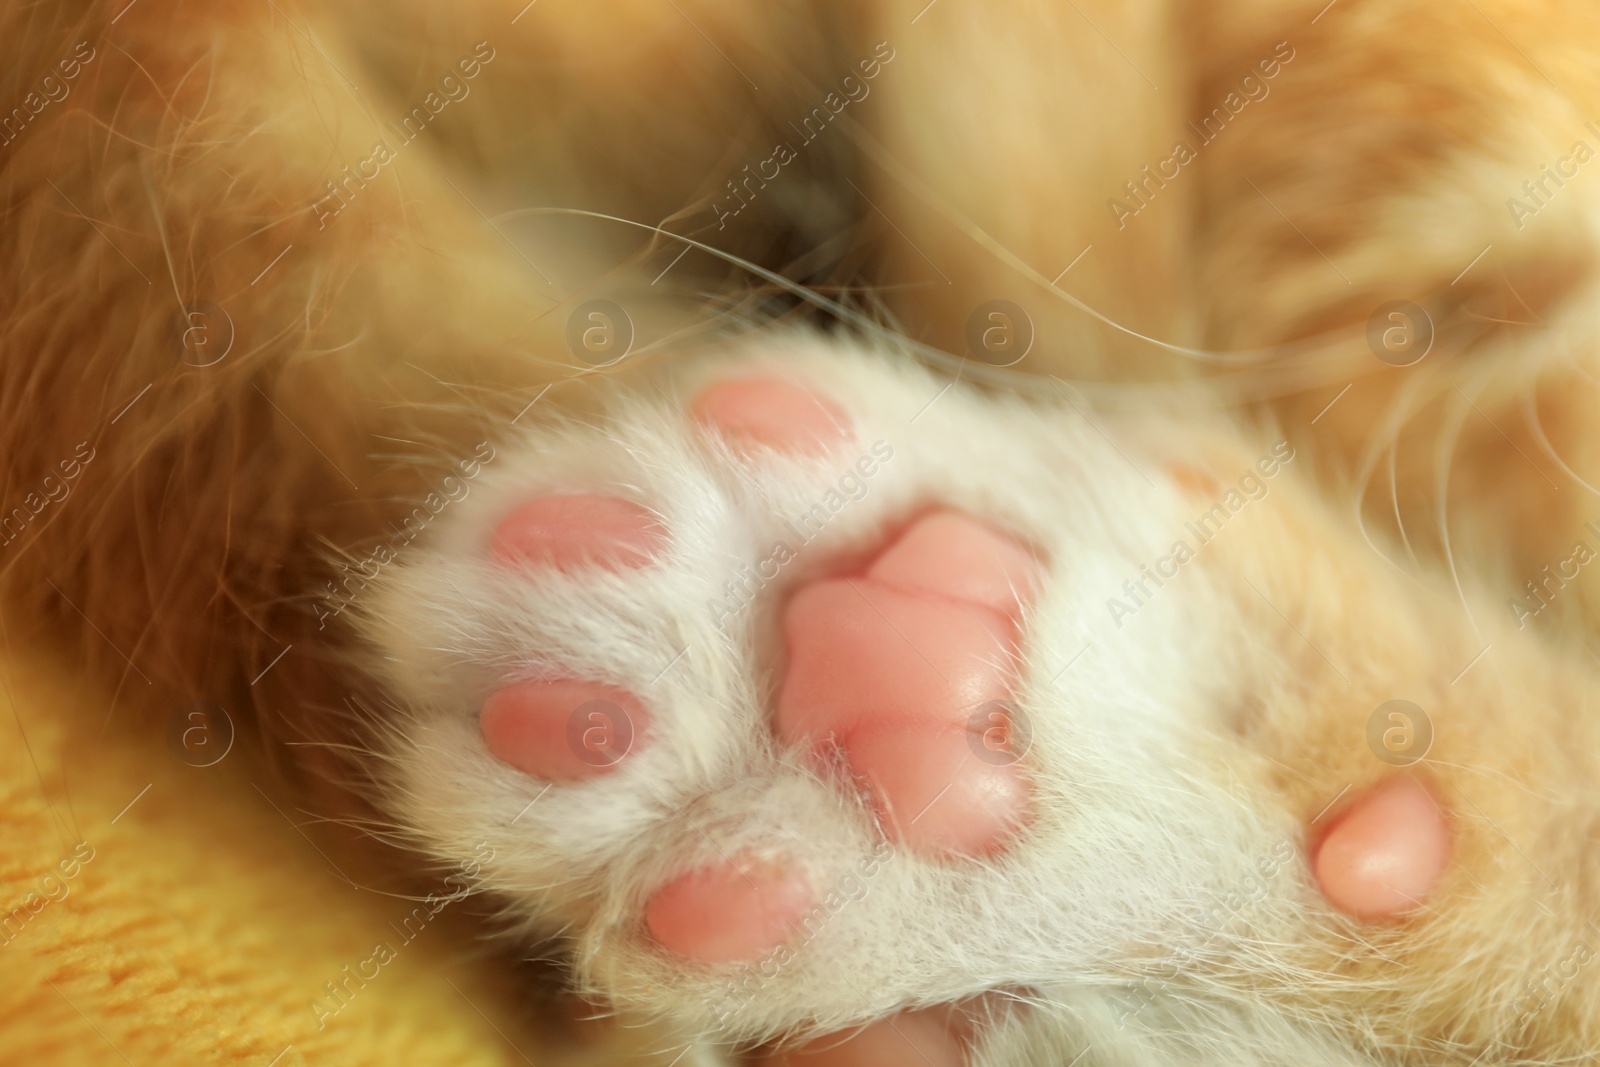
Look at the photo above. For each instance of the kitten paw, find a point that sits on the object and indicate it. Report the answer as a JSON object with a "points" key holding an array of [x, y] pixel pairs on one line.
{"points": [[773, 693]]}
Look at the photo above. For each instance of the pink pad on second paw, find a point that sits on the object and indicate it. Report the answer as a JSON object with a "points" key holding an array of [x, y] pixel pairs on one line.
{"points": [[772, 412], [1386, 853], [902, 669], [731, 911], [561, 730], [578, 529]]}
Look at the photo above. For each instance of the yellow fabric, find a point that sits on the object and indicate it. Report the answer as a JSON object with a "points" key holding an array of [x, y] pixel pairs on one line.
{"points": [[204, 924]]}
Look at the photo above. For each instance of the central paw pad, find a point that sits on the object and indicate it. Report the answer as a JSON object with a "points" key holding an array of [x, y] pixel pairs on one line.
{"points": [[897, 666]]}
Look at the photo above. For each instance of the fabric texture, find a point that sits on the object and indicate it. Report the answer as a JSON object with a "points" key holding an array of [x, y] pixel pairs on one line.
{"points": [[157, 912]]}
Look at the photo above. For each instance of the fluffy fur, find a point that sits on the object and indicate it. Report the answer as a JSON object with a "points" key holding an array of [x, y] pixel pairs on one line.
{"points": [[188, 167]]}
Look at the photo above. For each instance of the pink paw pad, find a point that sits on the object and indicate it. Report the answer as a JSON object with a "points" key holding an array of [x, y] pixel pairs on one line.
{"points": [[906, 670], [1386, 853], [561, 730], [736, 910], [950, 555], [773, 413], [568, 531]]}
